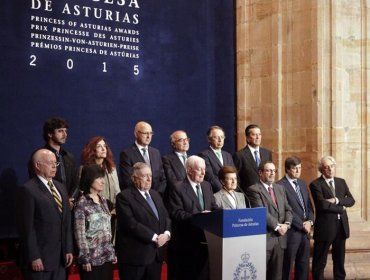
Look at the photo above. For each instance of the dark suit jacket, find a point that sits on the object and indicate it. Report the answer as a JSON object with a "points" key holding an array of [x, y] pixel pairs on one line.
{"points": [[298, 214], [259, 197], [44, 232], [174, 169], [326, 212], [246, 165], [132, 155], [183, 204], [136, 225], [213, 166], [70, 170]]}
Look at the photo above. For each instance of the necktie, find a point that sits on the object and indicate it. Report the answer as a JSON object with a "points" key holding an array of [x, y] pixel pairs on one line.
{"points": [[145, 156], [200, 197], [300, 198], [55, 195], [62, 169], [184, 157], [219, 156], [257, 156], [331, 185], [271, 193], [151, 204]]}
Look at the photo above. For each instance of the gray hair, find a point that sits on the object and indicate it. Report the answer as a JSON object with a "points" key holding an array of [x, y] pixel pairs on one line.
{"points": [[324, 158]]}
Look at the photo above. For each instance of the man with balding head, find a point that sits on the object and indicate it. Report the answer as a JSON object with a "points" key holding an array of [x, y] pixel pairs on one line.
{"points": [[191, 196], [44, 222], [174, 163], [140, 151]]}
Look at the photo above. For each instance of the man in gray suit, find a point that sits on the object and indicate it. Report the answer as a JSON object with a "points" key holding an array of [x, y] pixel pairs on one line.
{"points": [[268, 194]]}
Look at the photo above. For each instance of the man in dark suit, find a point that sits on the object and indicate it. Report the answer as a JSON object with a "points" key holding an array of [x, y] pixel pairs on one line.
{"points": [[140, 151], [331, 196], [191, 196], [267, 194], [248, 159], [143, 227], [44, 222], [55, 135], [174, 163], [215, 157], [298, 238]]}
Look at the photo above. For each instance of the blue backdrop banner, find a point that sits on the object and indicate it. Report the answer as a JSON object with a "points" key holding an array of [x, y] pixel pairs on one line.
{"points": [[104, 65]]}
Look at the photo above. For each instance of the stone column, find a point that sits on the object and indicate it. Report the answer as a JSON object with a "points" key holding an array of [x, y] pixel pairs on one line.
{"points": [[303, 76]]}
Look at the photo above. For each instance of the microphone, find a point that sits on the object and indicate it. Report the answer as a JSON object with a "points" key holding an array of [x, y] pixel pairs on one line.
{"points": [[246, 197]]}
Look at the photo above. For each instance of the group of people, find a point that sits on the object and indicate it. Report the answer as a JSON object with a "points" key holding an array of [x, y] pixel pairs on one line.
{"points": [[102, 214]]}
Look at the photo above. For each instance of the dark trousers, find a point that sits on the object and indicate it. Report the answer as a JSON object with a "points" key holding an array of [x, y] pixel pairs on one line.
{"points": [[297, 253], [99, 272], [137, 272], [57, 274], [320, 255], [190, 263], [274, 259]]}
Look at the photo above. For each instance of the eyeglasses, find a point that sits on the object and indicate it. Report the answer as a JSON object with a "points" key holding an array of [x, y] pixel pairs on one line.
{"points": [[327, 167], [151, 133], [182, 140], [50, 163], [270, 170]]}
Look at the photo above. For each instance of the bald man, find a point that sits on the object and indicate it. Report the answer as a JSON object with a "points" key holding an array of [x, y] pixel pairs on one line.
{"points": [[140, 151], [44, 222]]}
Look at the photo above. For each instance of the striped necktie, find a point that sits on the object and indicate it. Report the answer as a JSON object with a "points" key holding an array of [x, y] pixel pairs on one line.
{"points": [[55, 195], [299, 194]]}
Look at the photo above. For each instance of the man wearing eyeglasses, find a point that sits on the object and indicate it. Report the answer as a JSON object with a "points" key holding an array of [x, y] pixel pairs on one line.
{"points": [[174, 163], [268, 194], [44, 222], [215, 157], [331, 196], [140, 151]]}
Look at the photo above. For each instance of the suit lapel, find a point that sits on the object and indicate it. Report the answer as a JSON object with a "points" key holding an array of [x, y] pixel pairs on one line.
{"points": [[227, 201], [142, 201], [192, 195], [46, 193], [268, 197], [251, 159], [214, 157]]}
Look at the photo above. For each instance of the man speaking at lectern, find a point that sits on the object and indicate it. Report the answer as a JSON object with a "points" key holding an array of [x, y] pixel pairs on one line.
{"points": [[268, 194], [191, 196]]}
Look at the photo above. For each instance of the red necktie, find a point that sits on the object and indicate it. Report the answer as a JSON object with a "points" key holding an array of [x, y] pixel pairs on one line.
{"points": [[271, 193]]}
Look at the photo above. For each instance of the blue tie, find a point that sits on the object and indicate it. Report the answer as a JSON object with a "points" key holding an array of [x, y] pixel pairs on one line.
{"points": [[151, 204], [257, 156], [299, 194]]}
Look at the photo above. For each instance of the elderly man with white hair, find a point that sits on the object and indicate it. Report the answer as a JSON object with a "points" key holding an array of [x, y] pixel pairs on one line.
{"points": [[191, 196], [331, 196]]}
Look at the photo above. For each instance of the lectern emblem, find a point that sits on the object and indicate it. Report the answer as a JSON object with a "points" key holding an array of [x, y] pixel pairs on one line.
{"points": [[245, 269]]}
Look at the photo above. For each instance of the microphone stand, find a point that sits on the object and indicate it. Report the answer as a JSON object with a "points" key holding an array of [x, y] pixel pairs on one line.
{"points": [[246, 197]]}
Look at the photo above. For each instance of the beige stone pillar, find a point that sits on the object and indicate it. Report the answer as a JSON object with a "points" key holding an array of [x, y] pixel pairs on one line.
{"points": [[303, 76]]}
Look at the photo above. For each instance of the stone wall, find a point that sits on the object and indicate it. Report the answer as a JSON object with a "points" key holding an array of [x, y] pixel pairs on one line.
{"points": [[303, 76]]}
